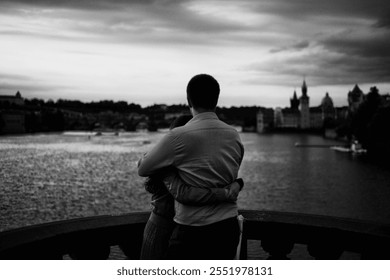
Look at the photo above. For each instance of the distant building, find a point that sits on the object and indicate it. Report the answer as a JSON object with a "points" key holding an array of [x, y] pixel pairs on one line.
{"points": [[278, 117], [304, 108], [12, 122], [342, 113], [12, 99], [355, 98], [298, 115], [301, 116], [386, 99], [316, 117], [264, 120], [294, 102], [328, 110], [260, 126], [291, 118]]}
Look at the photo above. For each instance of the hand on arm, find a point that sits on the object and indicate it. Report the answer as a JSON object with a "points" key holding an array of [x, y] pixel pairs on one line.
{"points": [[234, 189]]}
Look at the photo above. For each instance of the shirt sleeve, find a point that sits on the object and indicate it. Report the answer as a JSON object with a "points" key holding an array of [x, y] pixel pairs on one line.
{"points": [[161, 156], [241, 149], [192, 195]]}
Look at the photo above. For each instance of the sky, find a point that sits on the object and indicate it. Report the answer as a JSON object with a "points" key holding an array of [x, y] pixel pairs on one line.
{"points": [[146, 51]]}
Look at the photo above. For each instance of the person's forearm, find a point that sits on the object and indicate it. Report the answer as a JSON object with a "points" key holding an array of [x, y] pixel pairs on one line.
{"points": [[144, 169], [161, 156], [192, 195], [197, 196]]}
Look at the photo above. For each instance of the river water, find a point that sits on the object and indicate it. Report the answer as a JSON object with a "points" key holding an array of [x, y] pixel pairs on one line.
{"points": [[49, 177]]}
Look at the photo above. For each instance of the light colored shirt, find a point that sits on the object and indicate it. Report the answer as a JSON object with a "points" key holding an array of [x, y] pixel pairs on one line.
{"points": [[206, 152]]}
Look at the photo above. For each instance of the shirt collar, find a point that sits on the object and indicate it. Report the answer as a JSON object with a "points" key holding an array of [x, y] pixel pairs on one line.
{"points": [[204, 116]]}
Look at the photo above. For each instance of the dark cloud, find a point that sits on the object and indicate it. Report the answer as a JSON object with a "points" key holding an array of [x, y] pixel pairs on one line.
{"points": [[168, 22], [333, 41], [302, 9], [83, 4], [369, 46], [383, 22], [175, 22], [343, 58], [144, 13], [341, 69], [337, 54], [147, 15], [295, 47]]}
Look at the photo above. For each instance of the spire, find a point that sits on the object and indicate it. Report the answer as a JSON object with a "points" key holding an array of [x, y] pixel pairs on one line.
{"points": [[357, 90], [294, 102], [304, 88]]}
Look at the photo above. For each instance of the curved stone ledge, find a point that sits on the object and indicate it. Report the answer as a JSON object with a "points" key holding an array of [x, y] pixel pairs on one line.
{"points": [[279, 232]]}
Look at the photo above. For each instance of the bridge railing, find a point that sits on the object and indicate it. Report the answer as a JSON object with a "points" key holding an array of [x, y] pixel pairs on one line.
{"points": [[275, 232]]}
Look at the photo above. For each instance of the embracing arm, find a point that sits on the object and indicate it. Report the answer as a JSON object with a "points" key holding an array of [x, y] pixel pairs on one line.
{"points": [[191, 195], [161, 156]]}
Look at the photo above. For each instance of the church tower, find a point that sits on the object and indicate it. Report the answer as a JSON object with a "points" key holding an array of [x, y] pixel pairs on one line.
{"points": [[355, 98], [328, 111], [294, 102], [304, 107]]}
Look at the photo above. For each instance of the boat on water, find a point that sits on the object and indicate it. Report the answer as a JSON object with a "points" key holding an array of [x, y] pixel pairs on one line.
{"points": [[355, 148], [266, 235], [341, 149]]}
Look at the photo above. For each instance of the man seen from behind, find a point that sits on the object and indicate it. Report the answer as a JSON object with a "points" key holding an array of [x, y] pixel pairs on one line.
{"points": [[206, 152]]}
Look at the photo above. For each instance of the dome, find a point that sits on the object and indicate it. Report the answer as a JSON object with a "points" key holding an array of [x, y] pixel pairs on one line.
{"points": [[327, 101]]}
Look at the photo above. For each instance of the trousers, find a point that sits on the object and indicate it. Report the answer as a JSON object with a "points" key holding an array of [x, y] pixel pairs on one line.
{"points": [[217, 241]]}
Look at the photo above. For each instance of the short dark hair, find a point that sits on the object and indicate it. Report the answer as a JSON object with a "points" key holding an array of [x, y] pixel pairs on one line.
{"points": [[203, 92]]}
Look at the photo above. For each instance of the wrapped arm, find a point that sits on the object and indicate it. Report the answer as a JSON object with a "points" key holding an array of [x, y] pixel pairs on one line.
{"points": [[160, 157], [192, 195]]}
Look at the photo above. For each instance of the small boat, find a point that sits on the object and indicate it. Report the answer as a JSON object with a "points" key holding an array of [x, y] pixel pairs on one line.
{"points": [[355, 148], [341, 149]]}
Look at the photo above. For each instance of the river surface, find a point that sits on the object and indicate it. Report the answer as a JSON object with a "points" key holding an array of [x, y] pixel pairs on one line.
{"points": [[49, 177]]}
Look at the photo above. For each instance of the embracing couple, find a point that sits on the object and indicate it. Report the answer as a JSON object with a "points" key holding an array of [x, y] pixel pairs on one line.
{"points": [[192, 174]]}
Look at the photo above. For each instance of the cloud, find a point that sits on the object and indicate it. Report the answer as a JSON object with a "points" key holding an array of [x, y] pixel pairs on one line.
{"points": [[272, 42], [330, 42], [175, 22], [11, 83], [188, 22], [85, 4], [383, 22], [367, 45], [32, 89], [303, 9], [333, 61], [295, 47]]}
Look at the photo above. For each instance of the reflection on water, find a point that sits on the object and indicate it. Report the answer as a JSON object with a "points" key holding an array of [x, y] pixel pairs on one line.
{"points": [[280, 176], [53, 177]]}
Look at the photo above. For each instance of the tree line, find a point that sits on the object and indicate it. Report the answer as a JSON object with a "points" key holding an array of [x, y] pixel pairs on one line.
{"points": [[370, 123], [60, 115]]}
